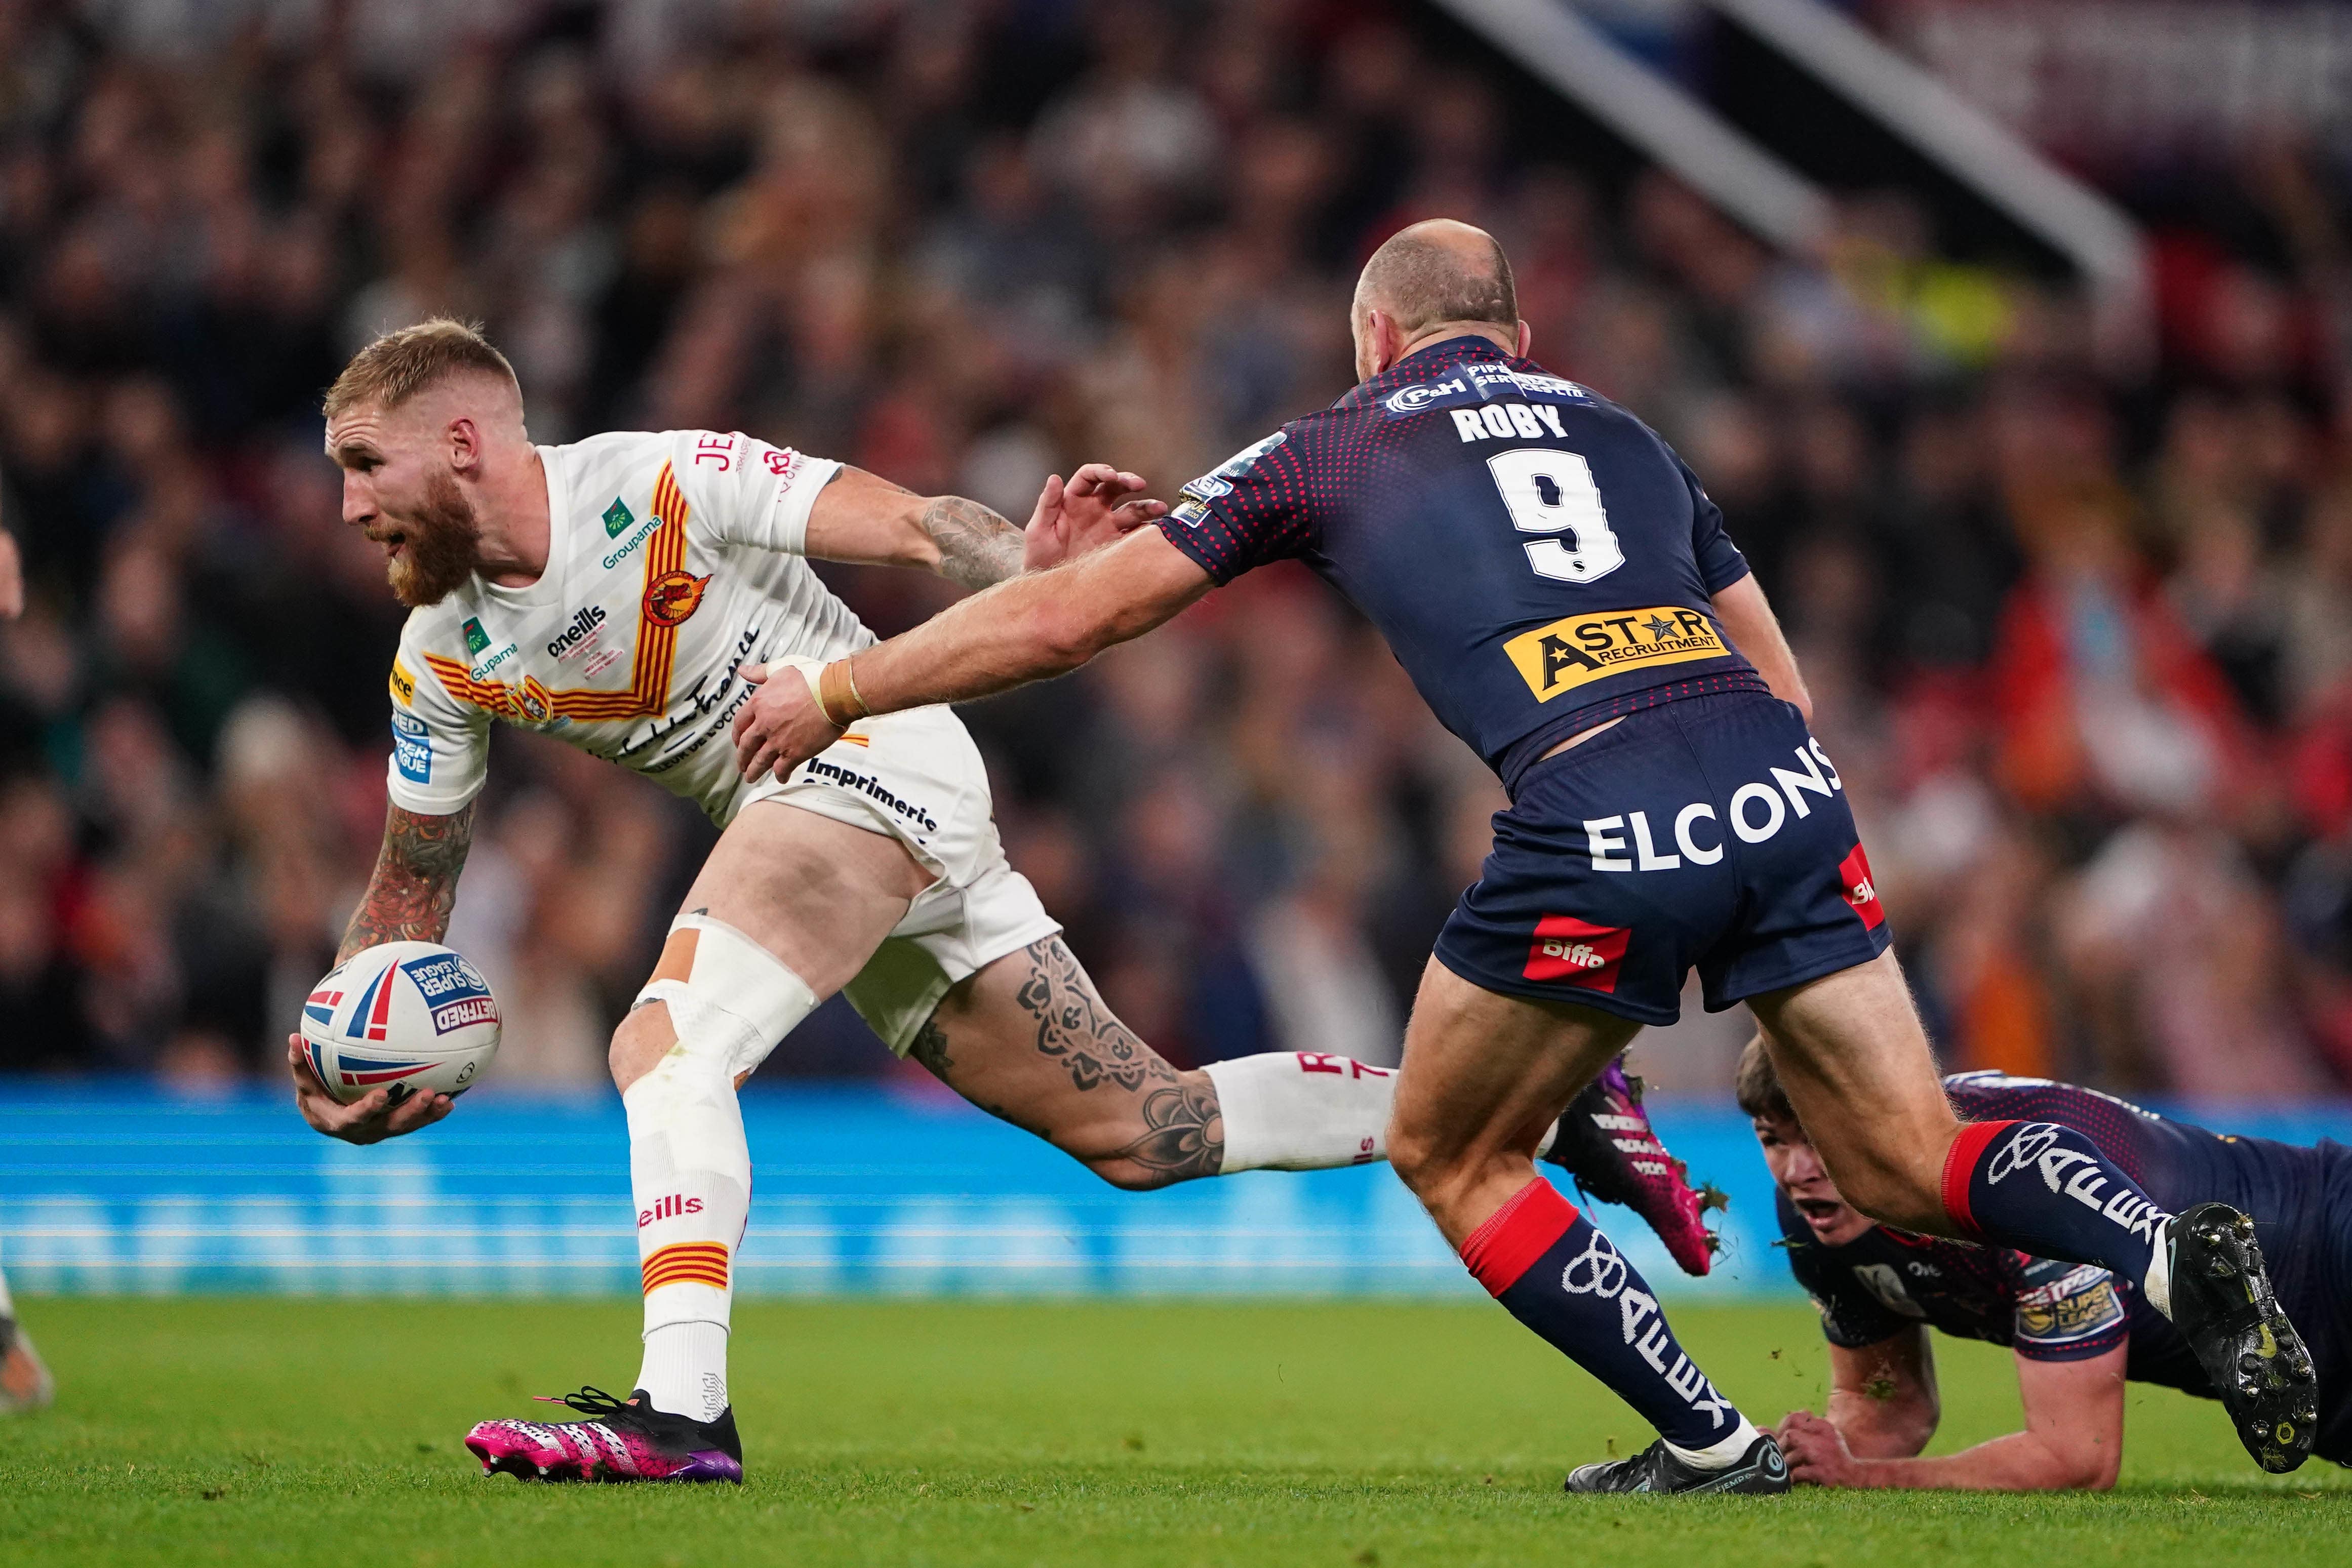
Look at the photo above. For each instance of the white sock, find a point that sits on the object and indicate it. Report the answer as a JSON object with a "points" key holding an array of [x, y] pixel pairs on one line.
{"points": [[1302, 1111], [1721, 1453], [685, 1369], [8, 1306], [2157, 1285], [1306, 1111], [690, 1167], [690, 1171]]}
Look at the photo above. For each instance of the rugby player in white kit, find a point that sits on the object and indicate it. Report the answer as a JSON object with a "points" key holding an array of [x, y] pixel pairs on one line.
{"points": [[625, 594]]}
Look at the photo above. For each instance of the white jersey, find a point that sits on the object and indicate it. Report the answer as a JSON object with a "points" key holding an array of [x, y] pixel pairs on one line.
{"points": [[674, 560]]}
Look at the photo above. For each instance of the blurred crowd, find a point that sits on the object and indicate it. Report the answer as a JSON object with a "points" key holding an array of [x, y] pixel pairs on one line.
{"points": [[2079, 630]]}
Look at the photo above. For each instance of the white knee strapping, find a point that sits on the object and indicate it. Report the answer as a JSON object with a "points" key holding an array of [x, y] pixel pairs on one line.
{"points": [[688, 1163], [736, 999]]}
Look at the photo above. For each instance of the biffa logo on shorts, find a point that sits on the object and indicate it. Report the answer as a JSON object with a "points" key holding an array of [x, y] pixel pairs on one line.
{"points": [[1577, 952], [1855, 882]]}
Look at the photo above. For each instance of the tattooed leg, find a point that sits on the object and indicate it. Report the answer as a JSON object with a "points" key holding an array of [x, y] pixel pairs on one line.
{"points": [[1030, 1040]]}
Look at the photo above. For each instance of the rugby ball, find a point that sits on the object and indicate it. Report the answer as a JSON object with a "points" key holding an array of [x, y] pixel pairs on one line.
{"points": [[414, 1016]]}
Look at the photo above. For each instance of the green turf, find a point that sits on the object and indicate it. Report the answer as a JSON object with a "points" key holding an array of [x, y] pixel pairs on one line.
{"points": [[976, 1433]]}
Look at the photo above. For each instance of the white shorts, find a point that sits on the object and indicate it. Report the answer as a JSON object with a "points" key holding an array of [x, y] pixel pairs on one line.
{"points": [[917, 777]]}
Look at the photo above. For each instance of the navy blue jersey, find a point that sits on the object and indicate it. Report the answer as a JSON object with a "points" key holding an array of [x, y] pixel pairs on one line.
{"points": [[2301, 1199], [1537, 558]]}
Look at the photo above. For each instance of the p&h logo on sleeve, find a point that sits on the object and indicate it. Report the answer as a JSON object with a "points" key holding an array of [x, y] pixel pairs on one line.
{"points": [[1571, 652]]}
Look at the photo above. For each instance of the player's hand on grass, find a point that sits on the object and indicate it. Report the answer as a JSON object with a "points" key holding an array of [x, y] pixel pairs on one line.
{"points": [[1098, 506], [1816, 1452], [370, 1119]]}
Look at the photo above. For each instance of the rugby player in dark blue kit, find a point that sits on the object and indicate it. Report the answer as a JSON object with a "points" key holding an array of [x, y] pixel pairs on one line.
{"points": [[2078, 1332], [1564, 595]]}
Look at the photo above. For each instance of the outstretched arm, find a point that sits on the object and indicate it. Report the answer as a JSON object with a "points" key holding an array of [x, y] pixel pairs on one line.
{"points": [[2073, 1438], [861, 518], [408, 899], [1031, 628]]}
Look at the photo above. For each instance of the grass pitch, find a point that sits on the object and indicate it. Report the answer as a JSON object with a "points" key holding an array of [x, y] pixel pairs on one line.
{"points": [[196, 1431]]}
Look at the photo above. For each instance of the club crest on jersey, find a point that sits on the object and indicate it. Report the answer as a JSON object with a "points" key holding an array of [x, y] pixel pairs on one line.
{"points": [[536, 702], [674, 595], [618, 518], [1568, 653]]}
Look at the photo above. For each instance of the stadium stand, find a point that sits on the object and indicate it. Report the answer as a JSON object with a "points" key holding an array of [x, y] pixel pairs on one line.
{"points": [[2081, 643]]}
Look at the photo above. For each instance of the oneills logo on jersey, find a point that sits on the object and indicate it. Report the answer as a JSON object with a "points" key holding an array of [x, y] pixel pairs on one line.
{"points": [[648, 689], [1568, 653]]}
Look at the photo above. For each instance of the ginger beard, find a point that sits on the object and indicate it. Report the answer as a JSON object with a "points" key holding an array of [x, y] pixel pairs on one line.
{"points": [[439, 545]]}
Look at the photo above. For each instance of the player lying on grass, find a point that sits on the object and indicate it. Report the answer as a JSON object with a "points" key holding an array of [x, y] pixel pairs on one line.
{"points": [[1563, 594], [2079, 1333], [616, 594]]}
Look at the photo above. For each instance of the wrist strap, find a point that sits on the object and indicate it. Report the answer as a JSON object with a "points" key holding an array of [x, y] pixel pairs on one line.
{"points": [[836, 693]]}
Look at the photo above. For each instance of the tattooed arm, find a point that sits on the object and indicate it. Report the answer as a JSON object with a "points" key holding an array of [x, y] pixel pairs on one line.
{"points": [[408, 899], [416, 880], [861, 518]]}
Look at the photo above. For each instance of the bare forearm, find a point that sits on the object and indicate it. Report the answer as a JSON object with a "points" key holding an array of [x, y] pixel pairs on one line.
{"points": [[1036, 626], [2018, 1462], [1881, 1429], [415, 883], [1007, 637], [977, 548]]}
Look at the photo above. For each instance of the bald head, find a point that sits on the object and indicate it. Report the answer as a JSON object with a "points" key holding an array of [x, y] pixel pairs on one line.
{"points": [[1436, 272]]}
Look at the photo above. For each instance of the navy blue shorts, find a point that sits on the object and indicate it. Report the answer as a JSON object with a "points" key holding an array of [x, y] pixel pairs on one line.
{"points": [[1711, 832]]}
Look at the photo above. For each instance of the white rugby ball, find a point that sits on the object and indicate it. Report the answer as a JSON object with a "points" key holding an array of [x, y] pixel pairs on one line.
{"points": [[414, 1016]]}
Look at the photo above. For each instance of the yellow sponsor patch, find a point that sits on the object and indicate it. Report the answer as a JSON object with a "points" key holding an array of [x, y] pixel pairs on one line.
{"points": [[1568, 653], [404, 685]]}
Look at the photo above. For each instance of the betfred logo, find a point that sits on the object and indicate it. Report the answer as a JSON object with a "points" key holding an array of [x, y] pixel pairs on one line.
{"points": [[1577, 952], [674, 1206], [1854, 874]]}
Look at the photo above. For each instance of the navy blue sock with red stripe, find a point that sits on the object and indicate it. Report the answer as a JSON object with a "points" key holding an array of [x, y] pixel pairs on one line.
{"points": [[1563, 1278], [2047, 1190]]}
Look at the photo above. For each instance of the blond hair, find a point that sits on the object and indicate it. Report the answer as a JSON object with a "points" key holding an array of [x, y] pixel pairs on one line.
{"points": [[399, 364]]}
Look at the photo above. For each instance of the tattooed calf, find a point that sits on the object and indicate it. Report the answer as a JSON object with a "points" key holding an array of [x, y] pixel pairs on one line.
{"points": [[1178, 1144], [1074, 1027]]}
